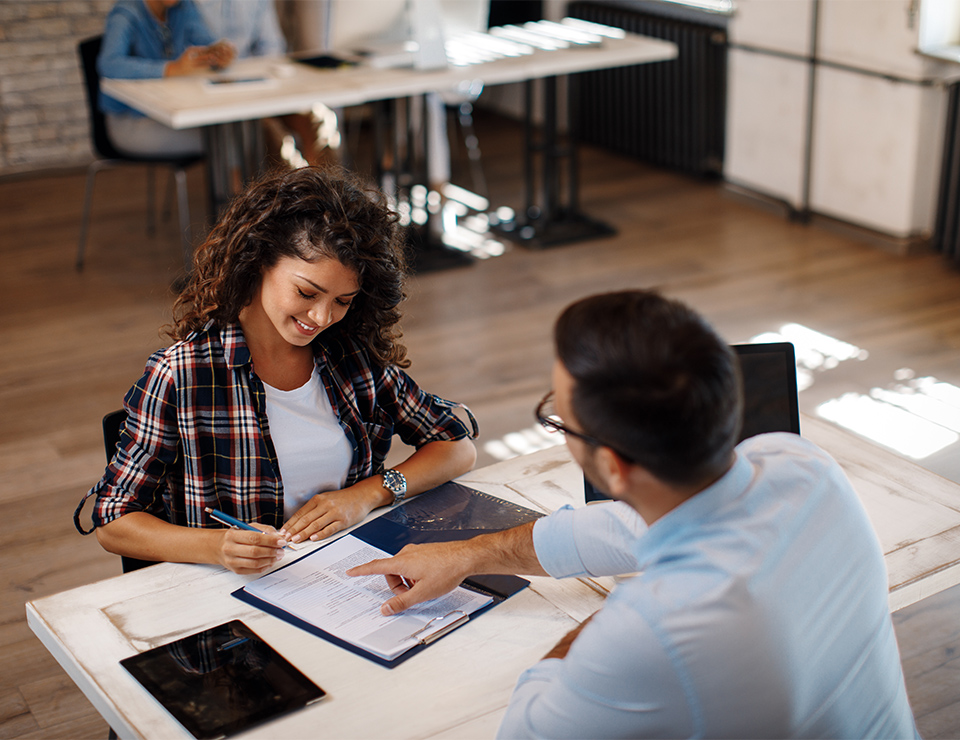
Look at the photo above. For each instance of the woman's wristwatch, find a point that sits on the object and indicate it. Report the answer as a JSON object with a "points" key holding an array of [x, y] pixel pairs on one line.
{"points": [[395, 482]]}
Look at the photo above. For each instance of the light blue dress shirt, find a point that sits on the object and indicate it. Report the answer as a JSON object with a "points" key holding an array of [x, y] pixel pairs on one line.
{"points": [[760, 611], [137, 46], [250, 25]]}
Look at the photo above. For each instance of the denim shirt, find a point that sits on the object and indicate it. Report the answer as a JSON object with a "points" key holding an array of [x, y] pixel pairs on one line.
{"points": [[136, 46]]}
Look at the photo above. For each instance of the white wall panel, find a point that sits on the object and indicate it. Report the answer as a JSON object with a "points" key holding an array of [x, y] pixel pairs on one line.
{"points": [[873, 34], [876, 151], [766, 124], [777, 25]]}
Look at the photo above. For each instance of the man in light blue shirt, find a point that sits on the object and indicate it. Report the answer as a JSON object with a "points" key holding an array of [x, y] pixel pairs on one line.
{"points": [[251, 26], [253, 30], [760, 608]]}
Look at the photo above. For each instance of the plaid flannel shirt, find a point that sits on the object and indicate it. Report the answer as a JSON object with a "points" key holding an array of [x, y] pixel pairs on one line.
{"points": [[196, 432]]}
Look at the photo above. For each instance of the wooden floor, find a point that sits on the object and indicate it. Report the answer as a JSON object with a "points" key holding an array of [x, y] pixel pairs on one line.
{"points": [[72, 343]]}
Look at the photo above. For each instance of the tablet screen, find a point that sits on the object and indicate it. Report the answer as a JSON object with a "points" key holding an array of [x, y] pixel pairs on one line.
{"points": [[222, 680]]}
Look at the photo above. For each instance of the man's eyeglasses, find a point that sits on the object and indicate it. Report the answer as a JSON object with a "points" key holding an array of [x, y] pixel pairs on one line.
{"points": [[551, 422]]}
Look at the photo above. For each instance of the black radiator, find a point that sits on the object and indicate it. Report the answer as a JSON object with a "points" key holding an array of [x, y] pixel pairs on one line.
{"points": [[946, 234], [670, 113]]}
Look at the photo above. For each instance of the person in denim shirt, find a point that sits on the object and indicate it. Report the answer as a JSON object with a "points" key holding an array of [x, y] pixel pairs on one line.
{"points": [[279, 399], [149, 39]]}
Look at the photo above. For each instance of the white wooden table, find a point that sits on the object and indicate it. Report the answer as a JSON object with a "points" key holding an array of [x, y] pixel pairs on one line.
{"points": [[456, 688], [460, 686], [185, 102], [291, 87]]}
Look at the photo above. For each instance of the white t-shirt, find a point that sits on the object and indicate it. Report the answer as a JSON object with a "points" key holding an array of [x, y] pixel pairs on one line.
{"points": [[313, 451]]}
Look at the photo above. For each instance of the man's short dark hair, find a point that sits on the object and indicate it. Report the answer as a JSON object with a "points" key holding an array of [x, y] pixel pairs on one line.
{"points": [[654, 381]]}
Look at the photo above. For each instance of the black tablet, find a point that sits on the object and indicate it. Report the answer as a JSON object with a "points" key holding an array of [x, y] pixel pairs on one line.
{"points": [[221, 681]]}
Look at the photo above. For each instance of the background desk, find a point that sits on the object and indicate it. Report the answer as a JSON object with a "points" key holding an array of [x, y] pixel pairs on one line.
{"points": [[186, 102], [460, 687]]}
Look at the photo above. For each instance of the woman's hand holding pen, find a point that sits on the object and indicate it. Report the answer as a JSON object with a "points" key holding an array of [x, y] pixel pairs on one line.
{"points": [[246, 552]]}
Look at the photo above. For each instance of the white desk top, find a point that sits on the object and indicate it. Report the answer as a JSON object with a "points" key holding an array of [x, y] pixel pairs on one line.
{"points": [[460, 686], [185, 102], [457, 688]]}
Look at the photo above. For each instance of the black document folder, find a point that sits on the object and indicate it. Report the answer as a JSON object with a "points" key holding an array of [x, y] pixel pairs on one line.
{"points": [[449, 512]]}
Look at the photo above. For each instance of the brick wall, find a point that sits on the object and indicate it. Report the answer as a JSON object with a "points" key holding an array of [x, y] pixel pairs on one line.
{"points": [[43, 109]]}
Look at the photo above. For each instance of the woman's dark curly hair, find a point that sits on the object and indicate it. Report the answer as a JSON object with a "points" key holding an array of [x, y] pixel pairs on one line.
{"points": [[312, 214]]}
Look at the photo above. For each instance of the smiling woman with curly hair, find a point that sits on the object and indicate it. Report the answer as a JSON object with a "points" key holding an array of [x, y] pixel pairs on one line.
{"points": [[279, 399]]}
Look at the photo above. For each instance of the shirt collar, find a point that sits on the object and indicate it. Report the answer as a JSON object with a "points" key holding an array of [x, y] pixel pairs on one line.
{"points": [[237, 353], [235, 348], [700, 508]]}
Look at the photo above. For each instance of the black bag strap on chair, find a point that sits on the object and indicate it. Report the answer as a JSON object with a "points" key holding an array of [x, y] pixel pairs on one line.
{"points": [[112, 424]]}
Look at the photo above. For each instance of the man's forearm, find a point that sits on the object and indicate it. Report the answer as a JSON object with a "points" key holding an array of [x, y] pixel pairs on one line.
{"points": [[510, 552]]}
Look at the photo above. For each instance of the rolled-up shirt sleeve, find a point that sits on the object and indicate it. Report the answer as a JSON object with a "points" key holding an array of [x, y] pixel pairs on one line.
{"points": [[422, 417], [595, 540], [149, 446]]}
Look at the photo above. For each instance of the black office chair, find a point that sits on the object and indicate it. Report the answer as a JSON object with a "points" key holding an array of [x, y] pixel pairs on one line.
{"points": [[109, 157], [112, 424]]}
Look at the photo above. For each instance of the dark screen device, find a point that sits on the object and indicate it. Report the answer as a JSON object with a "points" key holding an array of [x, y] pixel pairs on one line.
{"points": [[770, 397], [238, 81], [222, 680], [326, 61]]}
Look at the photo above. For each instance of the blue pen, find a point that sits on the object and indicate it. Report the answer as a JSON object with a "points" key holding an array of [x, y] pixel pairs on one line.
{"points": [[233, 522], [229, 520]]}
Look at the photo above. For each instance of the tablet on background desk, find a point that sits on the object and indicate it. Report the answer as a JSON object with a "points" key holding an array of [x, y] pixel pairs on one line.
{"points": [[222, 680], [227, 83]]}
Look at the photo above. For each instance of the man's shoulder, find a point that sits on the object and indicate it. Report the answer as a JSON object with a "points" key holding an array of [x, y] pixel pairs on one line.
{"points": [[776, 450]]}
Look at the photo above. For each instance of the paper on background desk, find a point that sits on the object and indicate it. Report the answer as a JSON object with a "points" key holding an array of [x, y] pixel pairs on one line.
{"points": [[317, 590]]}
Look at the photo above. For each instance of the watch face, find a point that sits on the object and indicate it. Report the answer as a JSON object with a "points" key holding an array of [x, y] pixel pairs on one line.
{"points": [[394, 482]]}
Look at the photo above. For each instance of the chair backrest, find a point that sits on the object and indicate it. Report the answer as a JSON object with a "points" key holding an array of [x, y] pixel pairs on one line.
{"points": [[112, 424], [89, 50]]}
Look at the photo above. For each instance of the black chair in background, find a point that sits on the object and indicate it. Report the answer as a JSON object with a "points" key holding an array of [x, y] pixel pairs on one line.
{"points": [[112, 424], [109, 157]]}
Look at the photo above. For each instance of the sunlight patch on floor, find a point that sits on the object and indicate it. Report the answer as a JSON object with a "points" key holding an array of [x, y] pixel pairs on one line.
{"points": [[816, 352], [525, 441], [916, 417]]}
